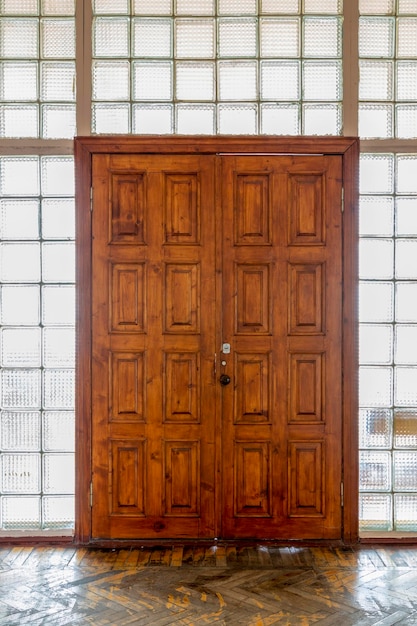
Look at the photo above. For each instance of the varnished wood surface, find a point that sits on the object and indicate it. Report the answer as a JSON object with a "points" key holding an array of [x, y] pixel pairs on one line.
{"points": [[252, 585]]}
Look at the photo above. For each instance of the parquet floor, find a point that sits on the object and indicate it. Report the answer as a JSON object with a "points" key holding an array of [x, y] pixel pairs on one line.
{"points": [[223, 584]]}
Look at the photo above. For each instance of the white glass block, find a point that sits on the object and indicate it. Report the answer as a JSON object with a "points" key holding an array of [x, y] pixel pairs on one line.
{"points": [[195, 7], [406, 302], [58, 305], [405, 428], [58, 262], [20, 262], [58, 7], [195, 39], [406, 216], [58, 121], [234, 7], [58, 473], [280, 80], [374, 471], [111, 80], [376, 216], [376, 80], [376, 301], [406, 259], [18, 7], [405, 512], [21, 473], [19, 176], [407, 6], [375, 386], [376, 37], [156, 7], [322, 37], [57, 176], [406, 121], [405, 470], [195, 119], [152, 38], [375, 428], [19, 219], [237, 119], [111, 37], [322, 6], [377, 173], [20, 305], [153, 119], [19, 38], [59, 347], [237, 80], [115, 7], [58, 431], [375, 512], [21, 513], [19, 121], [58, 389], [375, 7], [21, 347], [280, 119], [152, 80], [375, 344], [280, 37], [283, 6], [376, 258], [110, 118], [322, 119], [58, 218], [406, 80], [237, 38], [406, 344], [407, 37], [57, 512], [406, 386], [20, 431], [58, 81], [322, 80], [58, 38], [18, 81], [195, 81], [21, 389], [406, 174], [375, 121]]}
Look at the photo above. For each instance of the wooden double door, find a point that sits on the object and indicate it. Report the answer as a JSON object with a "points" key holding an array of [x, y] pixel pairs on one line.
{"points": [[216, 346]]}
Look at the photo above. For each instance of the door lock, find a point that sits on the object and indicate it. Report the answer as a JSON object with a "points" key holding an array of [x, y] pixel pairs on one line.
{"points": [[224, 380]]}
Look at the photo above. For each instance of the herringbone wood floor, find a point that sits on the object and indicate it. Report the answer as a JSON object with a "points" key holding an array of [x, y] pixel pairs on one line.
{"points": [[223, 584]]}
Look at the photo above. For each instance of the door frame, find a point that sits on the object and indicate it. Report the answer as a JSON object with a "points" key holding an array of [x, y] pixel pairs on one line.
{"points": [[85, 148]]}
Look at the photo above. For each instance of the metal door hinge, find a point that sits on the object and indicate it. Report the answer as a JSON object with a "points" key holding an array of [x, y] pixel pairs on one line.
{"points": [[91, 198], [91, 494], [343, 199], [342, 494]]}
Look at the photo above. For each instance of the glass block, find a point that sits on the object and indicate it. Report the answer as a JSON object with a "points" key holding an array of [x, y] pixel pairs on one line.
{"points": [[375, 386], [280, 119], [195, 38], [110, 118], [406, 386], [59, 347], [58, 305], [156, 7], [58, 262], [322, 6], [115, 7], [21, 513], [237, 119], [406, 121], [20, 262], [19, 219], [195, 81], [57, 512], [283, 6], [376, 258], [58, 7], [20, 431], [152, 38], [405, 470], [237, 38], [375, 428], [57, 175], [111, 37], [20, 305], [406, 302], [406, 174], [237, 80], [405, 428], [405, 512], [407, 6], [195, 119], [406, 344], [376, 216], [58, 121], [58, 389], [20, 347], [19, 38], [322, 37], [18, 7], [376, 37], [58, 473], [375, 121], [407, 37], [280, 80], [21, 389], [152, 80], [322, 80], [18, 81], [376, 301], [377, 173], [58, 431], [19, 176], [58, 218], [406, 259], [234, 7], [375, 344], [111, 80], [58, 81], [21, 473], [19, 121], [406, 80], [373, 7], [196, 7], [322, 119], [57, 38], [280, 37], [376, 80], [153, 119], [374, 471], [375, 512]]}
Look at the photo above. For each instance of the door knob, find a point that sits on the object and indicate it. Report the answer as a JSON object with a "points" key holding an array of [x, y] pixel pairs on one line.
{"points": [[224, 379]]}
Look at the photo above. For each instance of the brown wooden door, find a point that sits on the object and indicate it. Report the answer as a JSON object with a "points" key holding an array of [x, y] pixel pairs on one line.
{"points": [[191, 253]]}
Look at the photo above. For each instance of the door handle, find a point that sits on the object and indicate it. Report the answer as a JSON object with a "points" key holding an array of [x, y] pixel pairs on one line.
{"points": [[224, 380]]}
